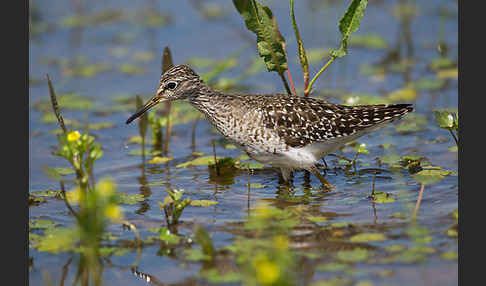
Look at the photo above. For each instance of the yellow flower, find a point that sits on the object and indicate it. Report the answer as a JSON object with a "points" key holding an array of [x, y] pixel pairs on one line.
{"points": [[105, 188], [281, 242], [73, 136], [267, 271], [113, 212], [74, 196]]}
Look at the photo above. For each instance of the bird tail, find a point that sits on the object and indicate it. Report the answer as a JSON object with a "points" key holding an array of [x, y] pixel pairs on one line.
{"points": [[373, 114]]}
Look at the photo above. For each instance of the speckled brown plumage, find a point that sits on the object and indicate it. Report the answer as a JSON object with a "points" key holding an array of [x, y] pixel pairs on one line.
{"points": [[290, 132]]}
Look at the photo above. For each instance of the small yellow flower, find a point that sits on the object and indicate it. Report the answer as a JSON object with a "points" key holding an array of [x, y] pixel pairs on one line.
{"points": [[281, 242], [267, 271], [74, 196], [113, 212], [105, 188], [73, 136]]}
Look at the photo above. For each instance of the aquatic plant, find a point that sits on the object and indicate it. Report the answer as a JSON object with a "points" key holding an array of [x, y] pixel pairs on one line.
{"points": [[272, 47]]}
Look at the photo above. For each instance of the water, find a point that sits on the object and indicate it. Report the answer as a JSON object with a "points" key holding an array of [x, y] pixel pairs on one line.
{"points": [[189, 34]]}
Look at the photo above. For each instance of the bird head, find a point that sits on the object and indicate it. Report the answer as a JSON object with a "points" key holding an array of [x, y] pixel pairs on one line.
{"points": [[179, 82]]}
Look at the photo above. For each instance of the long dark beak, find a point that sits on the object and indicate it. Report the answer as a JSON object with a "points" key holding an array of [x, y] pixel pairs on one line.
{"points": [[151, 103]]}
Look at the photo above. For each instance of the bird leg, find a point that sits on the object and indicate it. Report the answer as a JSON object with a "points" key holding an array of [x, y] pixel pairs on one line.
{"points": [[325, 183]]}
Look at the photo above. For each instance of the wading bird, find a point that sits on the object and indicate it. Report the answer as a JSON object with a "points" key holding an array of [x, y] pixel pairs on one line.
{"points": [[285, 131]]}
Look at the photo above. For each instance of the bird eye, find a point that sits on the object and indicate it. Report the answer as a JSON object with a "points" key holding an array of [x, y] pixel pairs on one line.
{"points": [[171, 85]]}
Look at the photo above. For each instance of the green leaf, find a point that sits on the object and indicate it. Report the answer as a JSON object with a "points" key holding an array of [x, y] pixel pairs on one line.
{"points": [[64, 171], [201, 161], [348, 24], [355, 255], [52, 173], [260, 20], [367, 237], [428, 176], [159, 160], [195, 255], [370, 41], [41, 223], [57, 240], [203, 203], [255, 186], [317, 218], [204, 240], [251, 165], [166, 235], [214, 276], [129, 199], [446, 119], [332, 267]]}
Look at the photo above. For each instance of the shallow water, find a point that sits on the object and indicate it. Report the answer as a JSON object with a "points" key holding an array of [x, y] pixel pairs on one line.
{"points": [[189, 34]]}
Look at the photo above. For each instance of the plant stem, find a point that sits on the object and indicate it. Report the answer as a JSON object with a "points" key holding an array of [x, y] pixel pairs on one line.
{"points": [[417, 205], [455, 137], [300, 44], [215, 160], [291, 82], [285, 83], [308, 89]]}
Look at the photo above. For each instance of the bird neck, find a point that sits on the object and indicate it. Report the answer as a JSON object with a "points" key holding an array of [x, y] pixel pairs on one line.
{"points": [[203, 97]]}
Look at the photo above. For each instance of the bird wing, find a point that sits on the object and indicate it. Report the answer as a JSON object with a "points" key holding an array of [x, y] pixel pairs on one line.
{"points": [[302, 120]]}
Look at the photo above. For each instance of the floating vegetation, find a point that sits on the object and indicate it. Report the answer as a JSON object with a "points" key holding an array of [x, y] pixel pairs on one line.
{"points": [[369, 41]]}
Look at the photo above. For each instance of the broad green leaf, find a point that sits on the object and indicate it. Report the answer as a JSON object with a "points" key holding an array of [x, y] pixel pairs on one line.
{"points": [[449, 255], [333, 267], [448, 73], [201, 161], [370, 41], [382, 197], [429, 84], [348, 24], [446, 119], [195, 255], [367, 237], [203, 203], [129, 199], [250, 165], [317, 218], [255, 186], [403, 94], [41, 223], [355, 255], [214, 276], [64, 171], [428, 176], [159, 160], [57, 240], [260, 20]]}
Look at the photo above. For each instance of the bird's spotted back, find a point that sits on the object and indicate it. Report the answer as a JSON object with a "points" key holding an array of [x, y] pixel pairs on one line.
{"points": [[303, 120]]}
